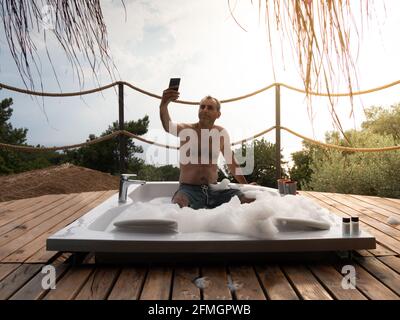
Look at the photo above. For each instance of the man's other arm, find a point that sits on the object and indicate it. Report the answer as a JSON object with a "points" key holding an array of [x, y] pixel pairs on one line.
{"points": [[230, 159]]}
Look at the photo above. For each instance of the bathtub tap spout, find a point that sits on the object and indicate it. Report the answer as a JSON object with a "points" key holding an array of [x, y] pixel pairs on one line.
{"points": [[124, 183]]}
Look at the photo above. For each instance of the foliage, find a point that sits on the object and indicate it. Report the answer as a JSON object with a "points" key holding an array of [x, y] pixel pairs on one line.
{"points": [[373, 173], [163, 173], [301, 171], [264, 172], [104, 156], [16, 161], [77, 26], [383, 121]]}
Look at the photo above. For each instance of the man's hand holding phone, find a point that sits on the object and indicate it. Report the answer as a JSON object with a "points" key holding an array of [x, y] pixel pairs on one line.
{"points": [[172, 93]]}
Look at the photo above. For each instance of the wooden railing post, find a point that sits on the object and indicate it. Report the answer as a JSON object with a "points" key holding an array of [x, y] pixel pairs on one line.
{"points": [[122, 138], [278, 131]]}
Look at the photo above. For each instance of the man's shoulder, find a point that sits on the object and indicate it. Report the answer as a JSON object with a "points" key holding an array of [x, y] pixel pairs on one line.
{"points": [[219, 128], [222, 130], [186, 125]]}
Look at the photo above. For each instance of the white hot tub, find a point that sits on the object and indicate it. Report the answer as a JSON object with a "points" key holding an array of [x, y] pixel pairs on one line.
{"points": [[95, 232]]}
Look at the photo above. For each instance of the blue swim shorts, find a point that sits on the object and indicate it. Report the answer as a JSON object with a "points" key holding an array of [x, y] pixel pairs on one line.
{"points": [[203, 196]]}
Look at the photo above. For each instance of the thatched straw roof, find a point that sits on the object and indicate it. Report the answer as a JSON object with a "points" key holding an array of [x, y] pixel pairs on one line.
{"points": [[321, 34], [324, 36], [77, 25]]}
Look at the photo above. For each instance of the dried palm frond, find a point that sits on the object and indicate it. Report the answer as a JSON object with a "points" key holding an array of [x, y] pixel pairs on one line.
{"points": [[321, 34], [77, 25]]}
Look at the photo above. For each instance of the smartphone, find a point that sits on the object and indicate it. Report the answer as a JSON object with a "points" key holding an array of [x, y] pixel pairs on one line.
{"points": [[174, 83]]}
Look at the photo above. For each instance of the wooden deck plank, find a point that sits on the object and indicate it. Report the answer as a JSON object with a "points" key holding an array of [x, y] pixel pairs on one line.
{"points": [[10, 214], [373, 228], [332, 206], [13, 219], [368, 284], [24, 203], [245, 283], [382, 272], [27, 222], [41, 256], [381, 251], [183, 287], [377, 270], [386, 206], [4, 204], [15, 280], [35, 251], [99, 285], [368, 215], [215, 283], [23, 247], [339, 209], [275, 283], [33, 289], [19, 216], [129, 284], [392, 262], [158, 284], [70, 284], [7, 268], [364, 253], [396, 201], [305, 283], [332, 280], [35, 229]]}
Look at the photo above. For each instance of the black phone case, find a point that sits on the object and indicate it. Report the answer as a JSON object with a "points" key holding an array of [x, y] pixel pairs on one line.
{"points": [[174, 83]]}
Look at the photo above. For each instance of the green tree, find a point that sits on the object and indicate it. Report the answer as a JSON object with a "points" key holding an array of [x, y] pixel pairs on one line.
{"points": [[169, 173], [264, 172], [164, 173], [348, 172], [149, 173], [383, 121], [18, 161], [301, 170], [104, 156], [373, 173]]}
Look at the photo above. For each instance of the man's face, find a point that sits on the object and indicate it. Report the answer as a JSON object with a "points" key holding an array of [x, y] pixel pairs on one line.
{"points": [[208, 110]]}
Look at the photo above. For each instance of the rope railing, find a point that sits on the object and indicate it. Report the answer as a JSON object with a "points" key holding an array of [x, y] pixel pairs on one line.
{"points": [[337, 147], [131, 135], [134, 136], [53, 94], [45, 149], [312, 93]]}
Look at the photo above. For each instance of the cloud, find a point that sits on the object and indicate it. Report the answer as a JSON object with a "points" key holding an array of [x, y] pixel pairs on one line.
{"points": [[198, 41]]}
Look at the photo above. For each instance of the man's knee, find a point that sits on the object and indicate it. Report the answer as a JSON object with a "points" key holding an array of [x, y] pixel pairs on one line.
{"points": [[181, 199], [244, 199]]}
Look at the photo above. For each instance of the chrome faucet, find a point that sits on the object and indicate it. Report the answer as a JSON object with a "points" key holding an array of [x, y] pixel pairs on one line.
{"points": [[124, 182]]}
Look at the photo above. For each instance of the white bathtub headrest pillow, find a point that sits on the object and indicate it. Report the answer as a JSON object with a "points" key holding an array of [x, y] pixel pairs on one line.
{"points": [[302, 224], [148, 225]]}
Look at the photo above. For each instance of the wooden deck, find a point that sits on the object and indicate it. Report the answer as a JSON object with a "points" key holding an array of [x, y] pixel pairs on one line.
{"points": [[25, 225]]}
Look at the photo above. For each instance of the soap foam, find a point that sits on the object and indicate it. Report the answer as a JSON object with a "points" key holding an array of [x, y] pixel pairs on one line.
{"points": [[392, 220], [254, 219]]}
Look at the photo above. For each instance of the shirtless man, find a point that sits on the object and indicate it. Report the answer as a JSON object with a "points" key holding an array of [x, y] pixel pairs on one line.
{"points": [[200, 173]]}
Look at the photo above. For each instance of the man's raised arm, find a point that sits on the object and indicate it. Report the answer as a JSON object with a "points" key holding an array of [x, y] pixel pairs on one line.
{"points": [[168, 96]]}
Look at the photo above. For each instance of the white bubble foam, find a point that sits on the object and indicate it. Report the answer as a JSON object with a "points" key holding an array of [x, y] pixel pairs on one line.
{"points": [[254, 219], [393, 220]]}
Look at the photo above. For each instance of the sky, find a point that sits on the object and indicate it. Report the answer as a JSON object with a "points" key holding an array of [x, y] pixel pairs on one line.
{"points": [[199, 42]]}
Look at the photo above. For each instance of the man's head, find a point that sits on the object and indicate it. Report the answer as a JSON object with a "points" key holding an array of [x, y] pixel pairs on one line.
{"points": [[209, 110]]}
